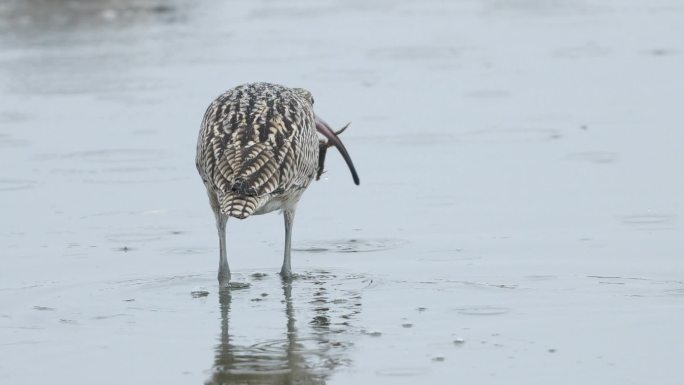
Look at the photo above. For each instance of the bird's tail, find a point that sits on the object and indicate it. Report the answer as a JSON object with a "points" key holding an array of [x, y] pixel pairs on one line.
{"points": [[239, 206]]}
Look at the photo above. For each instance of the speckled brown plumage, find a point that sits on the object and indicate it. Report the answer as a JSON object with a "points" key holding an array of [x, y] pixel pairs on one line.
{"points": [[258, 150], [257, 144]]}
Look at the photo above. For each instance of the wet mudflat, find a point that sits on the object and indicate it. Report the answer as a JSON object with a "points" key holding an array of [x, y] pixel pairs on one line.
{"points": [[518, 219]]}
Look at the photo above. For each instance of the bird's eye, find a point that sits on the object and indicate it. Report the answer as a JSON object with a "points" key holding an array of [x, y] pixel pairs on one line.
{"points": [[312, 100]]}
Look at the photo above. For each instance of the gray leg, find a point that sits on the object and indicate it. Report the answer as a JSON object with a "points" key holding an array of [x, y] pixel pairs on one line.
{"points": [[286, 271], [224, 270]]}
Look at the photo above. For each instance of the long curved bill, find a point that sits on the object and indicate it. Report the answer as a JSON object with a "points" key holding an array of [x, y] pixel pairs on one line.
{"points": [[324, 129]]}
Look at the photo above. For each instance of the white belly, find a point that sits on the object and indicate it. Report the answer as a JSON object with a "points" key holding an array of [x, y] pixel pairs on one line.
{"points": [[285, 201]]}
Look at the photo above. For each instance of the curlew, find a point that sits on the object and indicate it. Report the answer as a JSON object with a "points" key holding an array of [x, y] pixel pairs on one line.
{"points": [[257, 152]]}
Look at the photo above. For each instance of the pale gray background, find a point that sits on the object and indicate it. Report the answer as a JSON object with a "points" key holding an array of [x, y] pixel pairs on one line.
{"points": [[521, 180]]}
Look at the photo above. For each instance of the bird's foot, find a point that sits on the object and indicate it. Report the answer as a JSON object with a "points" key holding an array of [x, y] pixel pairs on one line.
{"points": [[224, 279], [286, 274], [226, 284]]}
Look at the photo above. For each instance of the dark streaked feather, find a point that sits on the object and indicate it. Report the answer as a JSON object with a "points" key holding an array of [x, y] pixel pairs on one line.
{"points": [[257, 141]]}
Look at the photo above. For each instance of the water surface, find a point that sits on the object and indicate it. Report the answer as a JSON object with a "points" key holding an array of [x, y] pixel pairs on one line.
{"points": [[518, 220]]}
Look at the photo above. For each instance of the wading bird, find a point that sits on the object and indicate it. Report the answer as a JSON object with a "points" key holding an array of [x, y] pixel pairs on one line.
{"points": [[257, 152]]}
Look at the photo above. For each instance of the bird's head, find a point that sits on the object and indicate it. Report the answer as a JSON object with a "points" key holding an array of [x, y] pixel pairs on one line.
{"points": [[332, 139]]}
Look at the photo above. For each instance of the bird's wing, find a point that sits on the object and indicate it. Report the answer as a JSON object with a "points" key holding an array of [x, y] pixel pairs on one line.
{"points": [[255, 169], [250, 142]]}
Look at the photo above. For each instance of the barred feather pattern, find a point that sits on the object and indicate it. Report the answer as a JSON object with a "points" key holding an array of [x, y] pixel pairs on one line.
{"points": [[258, 148]]}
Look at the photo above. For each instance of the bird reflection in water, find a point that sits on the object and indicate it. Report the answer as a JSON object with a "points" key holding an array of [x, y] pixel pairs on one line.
{"points": [[306, 356]]}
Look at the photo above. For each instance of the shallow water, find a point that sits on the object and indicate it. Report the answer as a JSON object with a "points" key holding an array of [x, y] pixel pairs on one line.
{"points": [[518, 219]]}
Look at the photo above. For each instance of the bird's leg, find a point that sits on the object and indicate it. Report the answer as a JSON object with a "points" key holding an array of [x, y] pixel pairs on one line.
{"points": [[288, 214], [224, 270], [221, 219]]}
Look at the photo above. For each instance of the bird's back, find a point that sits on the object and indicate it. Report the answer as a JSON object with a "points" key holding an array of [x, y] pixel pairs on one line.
{"points": [[257, 143]]}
